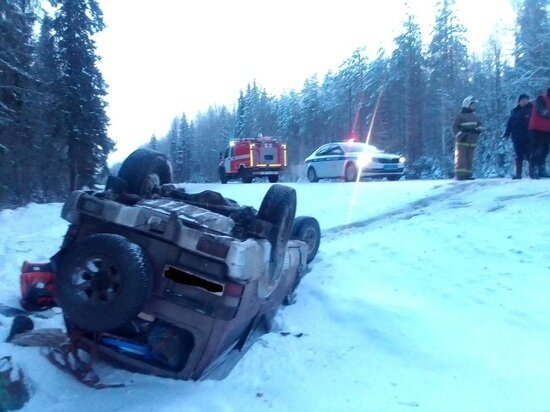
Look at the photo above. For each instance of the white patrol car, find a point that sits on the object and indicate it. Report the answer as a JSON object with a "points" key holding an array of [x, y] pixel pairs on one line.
{"points": [[348, 159]]}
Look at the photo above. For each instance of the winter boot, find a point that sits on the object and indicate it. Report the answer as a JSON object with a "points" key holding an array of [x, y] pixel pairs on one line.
{"points": [[542, 171], [519, 169], [533, 170], [21, 323]]}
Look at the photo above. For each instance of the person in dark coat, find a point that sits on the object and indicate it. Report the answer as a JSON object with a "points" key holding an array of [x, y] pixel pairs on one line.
{"points": [[466, 128], [539, 126], [518, 128]]}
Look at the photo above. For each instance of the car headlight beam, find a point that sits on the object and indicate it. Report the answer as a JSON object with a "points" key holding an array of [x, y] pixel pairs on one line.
{"points": [[363, 160]]}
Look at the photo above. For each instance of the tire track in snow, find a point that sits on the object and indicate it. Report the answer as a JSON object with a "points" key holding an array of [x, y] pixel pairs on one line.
{"points": [[416, 208]]}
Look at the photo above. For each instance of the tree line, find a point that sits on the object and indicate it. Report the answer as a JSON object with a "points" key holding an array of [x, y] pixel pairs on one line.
{"points": [[53, 123], [403, 101]]}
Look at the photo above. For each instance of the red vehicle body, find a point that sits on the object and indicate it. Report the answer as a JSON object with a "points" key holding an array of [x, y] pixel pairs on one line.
{"points": [[248, 158]]}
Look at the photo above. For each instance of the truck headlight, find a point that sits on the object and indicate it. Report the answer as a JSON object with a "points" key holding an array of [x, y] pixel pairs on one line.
{"points": [[402, 159]]}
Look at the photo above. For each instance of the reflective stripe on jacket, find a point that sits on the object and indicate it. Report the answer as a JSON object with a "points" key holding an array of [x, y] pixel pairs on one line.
{"points": [[467, 122]]}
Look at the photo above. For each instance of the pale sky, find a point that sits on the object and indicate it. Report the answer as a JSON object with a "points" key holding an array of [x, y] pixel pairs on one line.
{"points": [[164, 57]]}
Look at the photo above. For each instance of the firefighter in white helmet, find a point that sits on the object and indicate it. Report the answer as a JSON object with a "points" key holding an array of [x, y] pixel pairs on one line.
{"points": [[466, 129]]}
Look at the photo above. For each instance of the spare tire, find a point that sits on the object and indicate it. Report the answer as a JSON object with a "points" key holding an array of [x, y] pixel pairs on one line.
{"points": [[102, 282], [279, 208], [144, 170], [307, 230]]}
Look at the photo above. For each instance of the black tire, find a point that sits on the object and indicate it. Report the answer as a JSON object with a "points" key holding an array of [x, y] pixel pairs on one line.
{"points": [[273, 178], [312, 175], [223, 176], [144, 170], [279, 208], [394, 178], [246, 175], [102, 282], [307, 230], [350, 173]]}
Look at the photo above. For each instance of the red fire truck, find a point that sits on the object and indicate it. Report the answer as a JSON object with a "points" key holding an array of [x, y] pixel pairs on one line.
{"points": [[248, 158]]}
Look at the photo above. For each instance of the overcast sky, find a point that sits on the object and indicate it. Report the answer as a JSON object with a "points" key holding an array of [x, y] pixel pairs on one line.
{"points": [[164, 57]]}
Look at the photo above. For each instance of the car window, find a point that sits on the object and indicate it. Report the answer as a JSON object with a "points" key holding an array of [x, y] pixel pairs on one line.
{"points": [[226, 155], [322, 151], [335, 150]]}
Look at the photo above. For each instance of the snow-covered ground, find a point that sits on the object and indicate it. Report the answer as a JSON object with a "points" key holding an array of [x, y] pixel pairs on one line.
{"points": [[425, 296]]}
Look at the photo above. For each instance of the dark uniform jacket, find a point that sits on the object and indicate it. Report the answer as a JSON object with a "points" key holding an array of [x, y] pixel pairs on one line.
{"points": [[466, 124], [518, 123]]}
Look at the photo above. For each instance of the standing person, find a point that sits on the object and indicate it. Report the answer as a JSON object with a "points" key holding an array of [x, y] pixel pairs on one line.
{"points": [[518, 127], [539, 126], [466, 128]]}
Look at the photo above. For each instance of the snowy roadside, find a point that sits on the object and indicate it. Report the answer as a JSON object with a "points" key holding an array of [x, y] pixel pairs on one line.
{"points": [[432, 298]]}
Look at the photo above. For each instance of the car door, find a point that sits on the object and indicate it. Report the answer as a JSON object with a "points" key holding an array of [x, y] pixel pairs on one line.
{"points": [[335, 161], [227, 159], [319, 161]]}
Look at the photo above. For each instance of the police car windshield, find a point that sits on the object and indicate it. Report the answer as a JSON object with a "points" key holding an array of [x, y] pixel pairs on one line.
{"points": [[360, 147]]}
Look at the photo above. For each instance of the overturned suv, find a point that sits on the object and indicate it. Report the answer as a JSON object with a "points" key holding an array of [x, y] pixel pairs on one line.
{"points": [[161, 281]]}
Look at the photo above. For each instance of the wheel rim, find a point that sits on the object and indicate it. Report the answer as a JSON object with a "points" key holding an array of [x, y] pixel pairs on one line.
{"points": [[280, 255], [310, 238], [98, 281], [350, 172], [151, 182]]}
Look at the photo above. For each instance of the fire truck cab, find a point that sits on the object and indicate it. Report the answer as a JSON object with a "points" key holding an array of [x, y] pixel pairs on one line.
{"points": [[248, 158]]}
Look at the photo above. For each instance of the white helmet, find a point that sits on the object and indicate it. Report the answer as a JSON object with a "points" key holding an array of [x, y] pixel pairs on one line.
{"points": [[468, 101]]}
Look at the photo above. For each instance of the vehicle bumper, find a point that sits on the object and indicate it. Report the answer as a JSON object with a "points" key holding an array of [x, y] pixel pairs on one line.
{"points": [[267, 171], [381, 172]]}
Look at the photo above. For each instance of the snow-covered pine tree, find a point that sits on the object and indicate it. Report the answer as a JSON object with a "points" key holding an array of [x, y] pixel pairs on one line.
{"points": [[487, 83], [210, 134], [83, 88], [173, 143], [407, 87], [532, 48], [288, 125], [377, 104], [312, 118], [18, 88], [181, 164], [240, 123], [252, 99], [48, 124], [153, 143], [447, 61], [352, 79]]}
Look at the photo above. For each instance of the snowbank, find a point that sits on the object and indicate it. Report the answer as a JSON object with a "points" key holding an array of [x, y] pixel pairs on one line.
{"points": [[425, 295]]}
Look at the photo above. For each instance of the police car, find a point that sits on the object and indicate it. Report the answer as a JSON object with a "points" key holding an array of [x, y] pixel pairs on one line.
{"points": [[351, 159]]}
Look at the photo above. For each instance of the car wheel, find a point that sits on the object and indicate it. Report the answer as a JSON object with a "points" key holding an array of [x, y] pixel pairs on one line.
{"points": [[223, 176], [307, 230], [350, 173], [102, 282], [394, 178], [279, 208], [144, 170], [273, 178], [246, 175], [312, 175]]}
